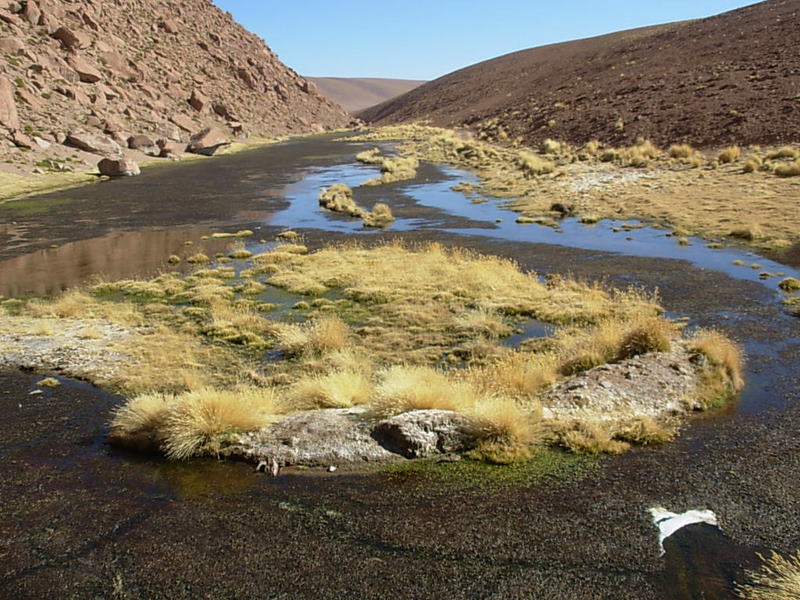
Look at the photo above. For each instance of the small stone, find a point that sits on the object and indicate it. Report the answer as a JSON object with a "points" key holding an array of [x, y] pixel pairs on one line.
{"points": [[331, 468]]}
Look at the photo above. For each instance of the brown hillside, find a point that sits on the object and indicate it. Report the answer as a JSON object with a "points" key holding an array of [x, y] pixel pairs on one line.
{"points": [[131, 67], [732, 78], [356, 94]]}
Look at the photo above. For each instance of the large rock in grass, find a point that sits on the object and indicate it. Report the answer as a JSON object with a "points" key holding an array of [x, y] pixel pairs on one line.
{"points": [[208, 142], [317, 438], [118, 167], [424, 433], [94, 142]]}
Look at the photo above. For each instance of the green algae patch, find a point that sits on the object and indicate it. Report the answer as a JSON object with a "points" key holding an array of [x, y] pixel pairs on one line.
{"points": [[463, 475]]}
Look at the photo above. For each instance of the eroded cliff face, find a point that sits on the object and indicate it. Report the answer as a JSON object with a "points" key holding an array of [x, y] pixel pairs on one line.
{"points": [[162, 68]]}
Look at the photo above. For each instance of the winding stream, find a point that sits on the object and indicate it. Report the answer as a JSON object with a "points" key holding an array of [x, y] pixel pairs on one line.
{"points": [[246, 193]]}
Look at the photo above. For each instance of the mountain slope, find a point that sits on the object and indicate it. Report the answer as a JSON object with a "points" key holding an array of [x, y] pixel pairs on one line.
{"points": [[127, 67], [732, 78], [355, 94]]}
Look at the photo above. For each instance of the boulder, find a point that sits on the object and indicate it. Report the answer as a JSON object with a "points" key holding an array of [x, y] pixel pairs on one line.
{"points": [[117, 64], [87, 72], [11, 45], [140, 142], [208, 141], [71, 40], [21, 140], [198, 101], [94, 142], [118, 167], [316, 438], [423, 433], [8, 105], [169, 26], [31, 12], [169, 149], [183, 122]]}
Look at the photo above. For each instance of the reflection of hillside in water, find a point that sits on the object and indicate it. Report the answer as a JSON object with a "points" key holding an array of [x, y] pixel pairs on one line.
{"points": [[118, 255]]}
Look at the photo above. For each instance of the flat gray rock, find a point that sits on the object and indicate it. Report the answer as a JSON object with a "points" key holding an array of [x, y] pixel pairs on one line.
{"points": [[316, 438]]}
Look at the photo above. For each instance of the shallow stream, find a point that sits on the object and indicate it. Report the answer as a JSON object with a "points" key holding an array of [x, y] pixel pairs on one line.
{"points": [[131, 227]]}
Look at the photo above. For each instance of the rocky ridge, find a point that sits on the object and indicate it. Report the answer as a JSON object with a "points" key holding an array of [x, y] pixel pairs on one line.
{"points": [[162, 69]]}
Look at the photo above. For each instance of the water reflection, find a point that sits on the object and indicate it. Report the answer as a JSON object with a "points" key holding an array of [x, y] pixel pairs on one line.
{"points": [[118, 255]]}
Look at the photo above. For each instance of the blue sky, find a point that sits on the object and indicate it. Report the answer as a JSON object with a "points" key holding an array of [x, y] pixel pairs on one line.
{"points": [[424, 39]]}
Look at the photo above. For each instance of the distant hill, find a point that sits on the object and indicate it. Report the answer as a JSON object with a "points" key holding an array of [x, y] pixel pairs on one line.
{"points": [[731, 78], [355, 94]]}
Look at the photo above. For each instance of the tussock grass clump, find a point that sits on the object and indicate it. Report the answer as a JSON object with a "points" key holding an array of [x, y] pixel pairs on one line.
{"points": [[752, 164], [722, 371], [650, 335], [326, 334], [748, 232], [198, 259], [533, 165], [406, 388], [790, 284], [681, 151], [196, 423], [380, 216], [788, 170], [338, 389], [785, 152], [729, 155], [339, 198], [551, 147], [48, 382], [777, 579], [588, 437], [504, 431], [393, 169]]}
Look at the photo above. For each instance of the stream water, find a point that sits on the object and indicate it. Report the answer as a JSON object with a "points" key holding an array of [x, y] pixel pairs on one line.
{"points": [[426, 207]]}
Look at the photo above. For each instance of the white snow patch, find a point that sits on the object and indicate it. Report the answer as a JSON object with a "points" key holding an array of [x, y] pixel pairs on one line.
{"points": [[669, 522]]}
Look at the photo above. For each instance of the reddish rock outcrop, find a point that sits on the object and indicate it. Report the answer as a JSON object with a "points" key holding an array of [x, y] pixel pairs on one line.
{"points": [[135, 63]]}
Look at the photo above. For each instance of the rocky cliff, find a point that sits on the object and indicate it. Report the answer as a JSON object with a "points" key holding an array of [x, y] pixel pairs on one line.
{"points": [[162, 68]]}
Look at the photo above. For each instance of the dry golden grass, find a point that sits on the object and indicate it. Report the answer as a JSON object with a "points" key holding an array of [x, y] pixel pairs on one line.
{"points": [[326, 334], [648, 335], [790, 284], [505, 433], [729, 155], [532, 165], [194, 423], [777, 579], [338, 389], [49, 382], [687, 193], [681, 151], [788, 170], [784, 152], [722, 377], [380, 216], [406, 388], [339, 198], [587, 437]]}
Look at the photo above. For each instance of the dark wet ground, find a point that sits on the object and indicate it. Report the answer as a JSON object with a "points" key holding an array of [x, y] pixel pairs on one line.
{"points": [[83, 521]]}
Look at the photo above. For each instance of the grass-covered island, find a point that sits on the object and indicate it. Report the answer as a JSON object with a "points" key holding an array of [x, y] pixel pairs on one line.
{"points": [[413, 349]]}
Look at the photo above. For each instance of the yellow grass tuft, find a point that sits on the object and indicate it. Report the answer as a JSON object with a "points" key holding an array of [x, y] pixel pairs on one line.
{"points": [[405, 388], [339, 198], [339, 389], [504, 432], [788, 170], [681, 151], [722, 376], [381, 216], [729, 155], [790, 284], [777, 579], [49, 382], [533, 165]]}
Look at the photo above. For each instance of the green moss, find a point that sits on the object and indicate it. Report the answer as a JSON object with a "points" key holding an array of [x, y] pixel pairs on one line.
{"points": [[545, 464]]}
